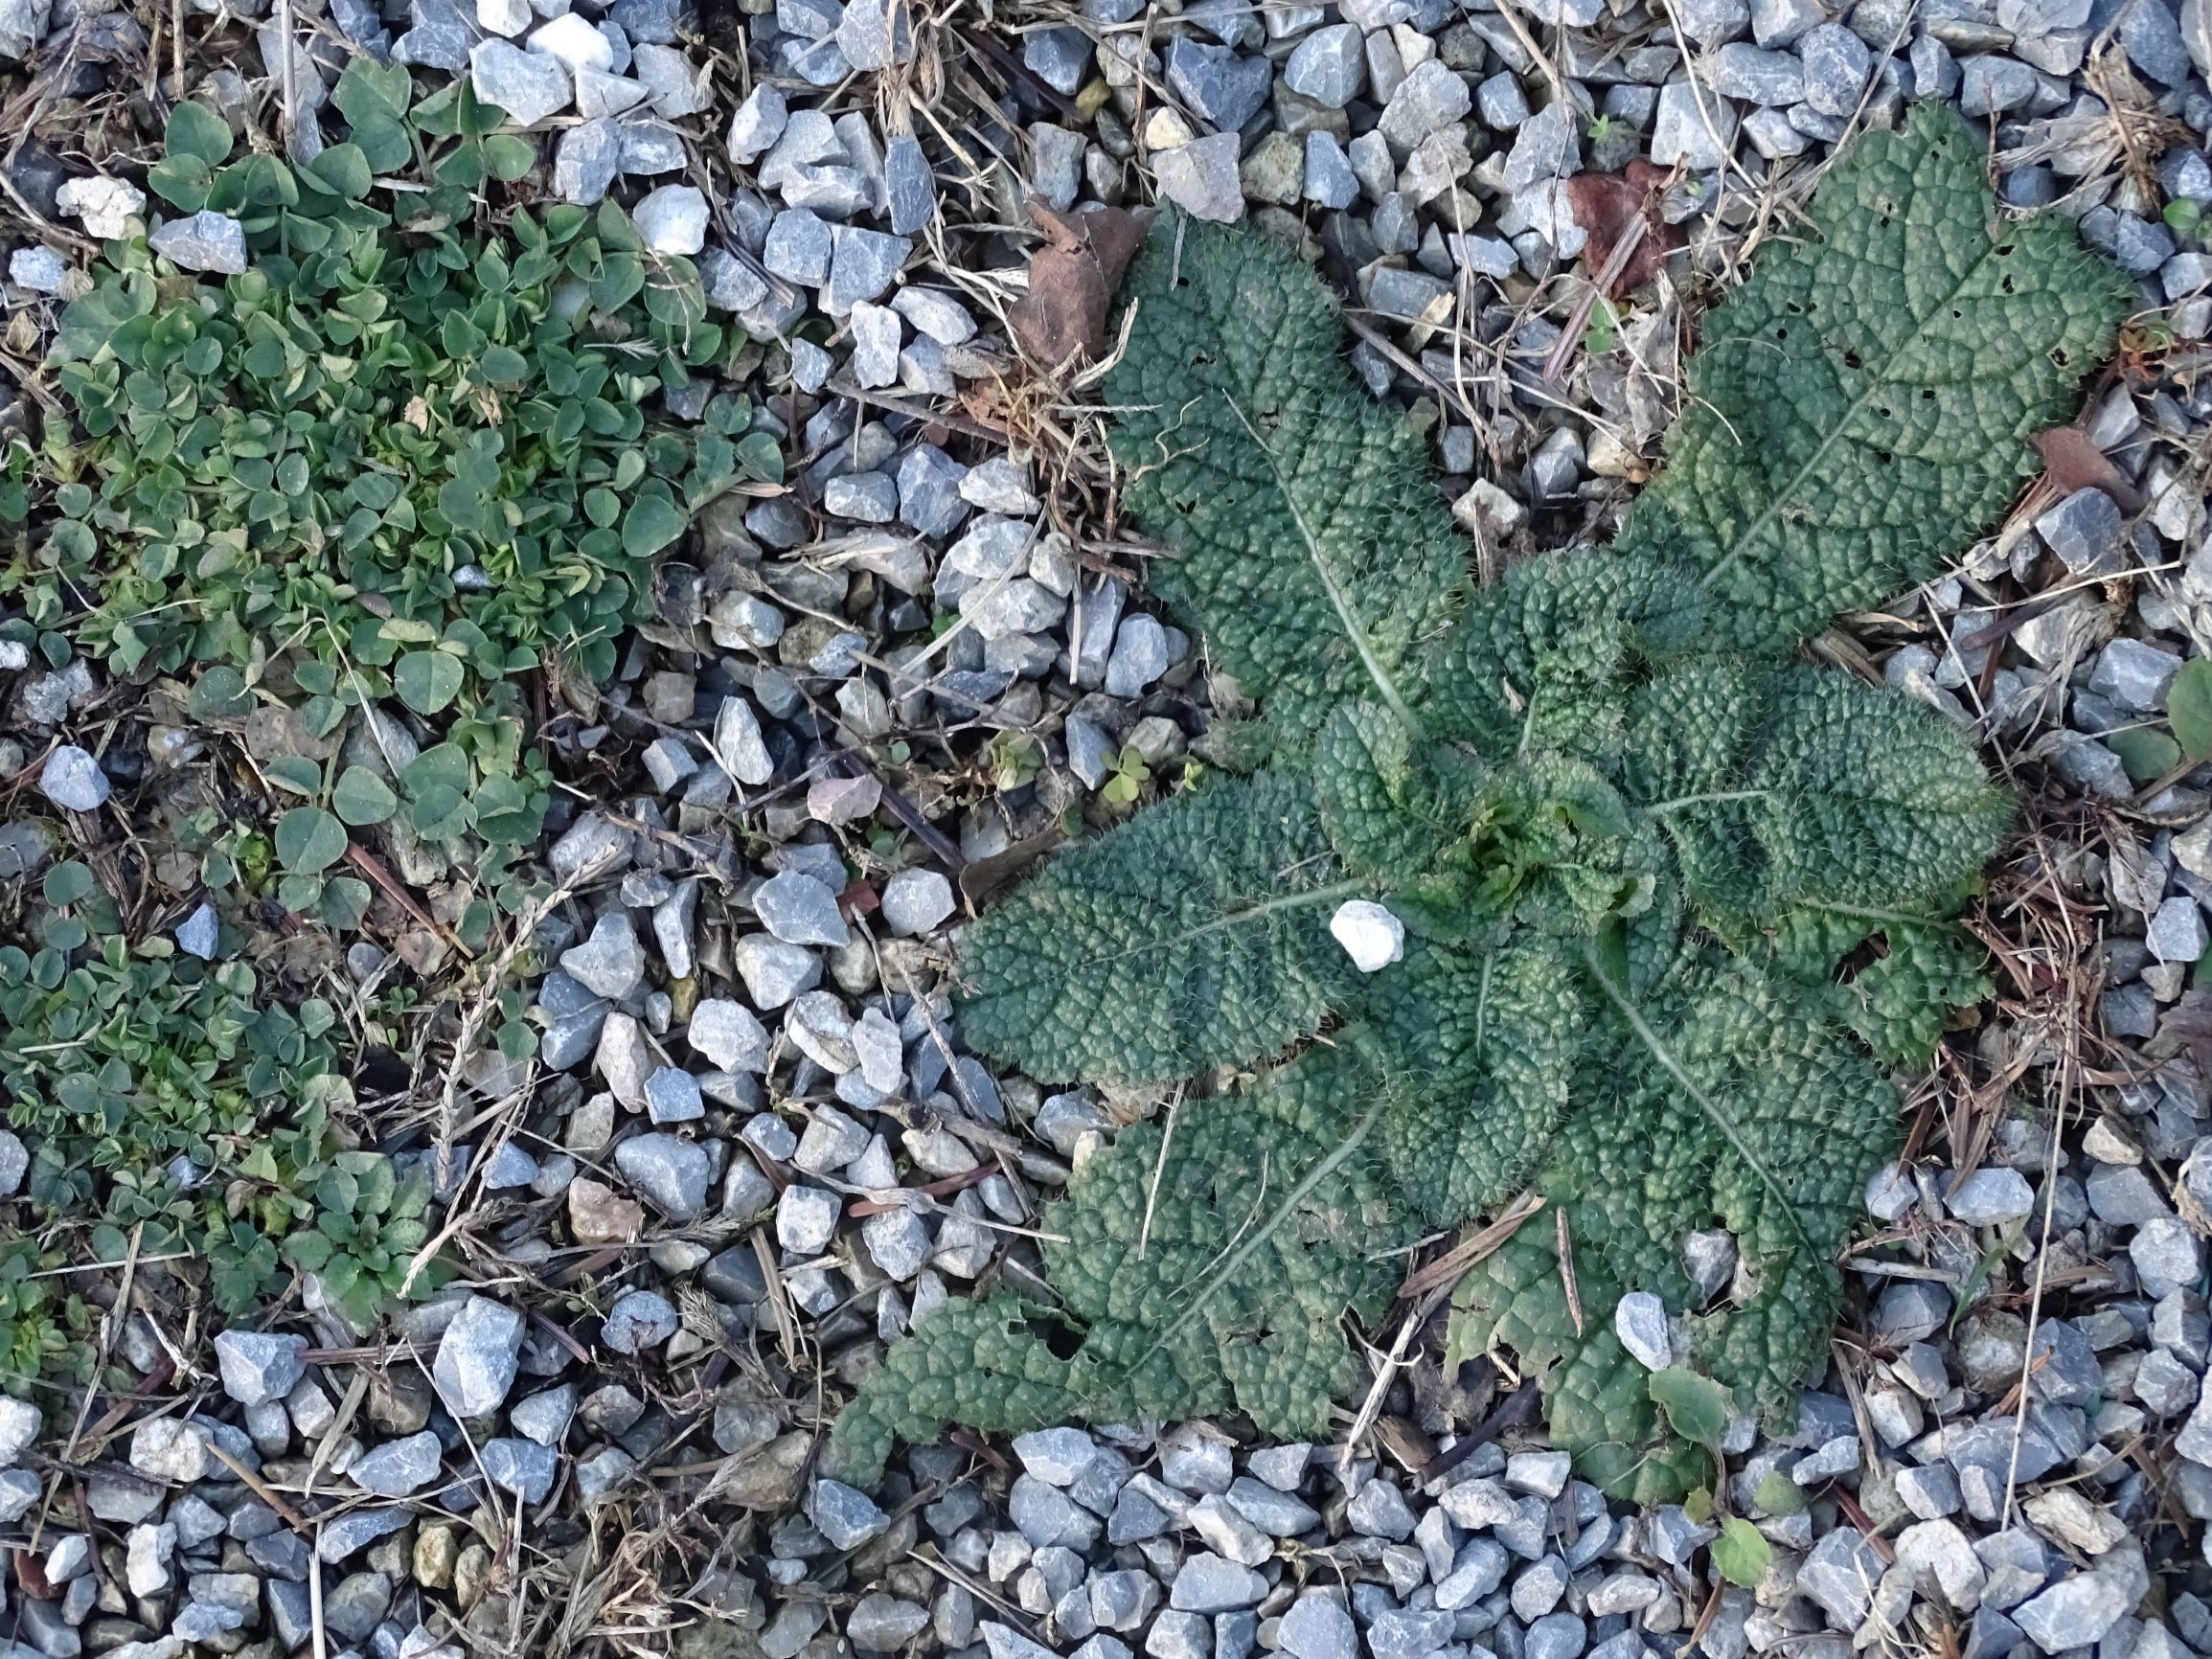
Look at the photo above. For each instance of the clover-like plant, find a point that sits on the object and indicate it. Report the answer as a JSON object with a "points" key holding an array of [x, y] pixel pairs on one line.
{"points": [[394, 458], [177, 1099], [1674, 901]]}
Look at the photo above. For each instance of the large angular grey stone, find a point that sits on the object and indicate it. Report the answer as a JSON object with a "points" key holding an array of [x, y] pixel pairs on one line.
{"points": [[799, 909], [525, 1467], [477, 1357], [529, 85], [586, 160], [258, 1366], [1329, 66], [671, 1172], [398, 1467]]}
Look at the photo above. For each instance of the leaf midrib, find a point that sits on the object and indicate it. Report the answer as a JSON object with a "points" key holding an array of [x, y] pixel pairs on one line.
{"points": [[1339, 600]]}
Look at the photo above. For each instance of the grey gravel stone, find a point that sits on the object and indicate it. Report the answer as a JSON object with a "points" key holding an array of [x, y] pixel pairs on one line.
{"points": [[1838, 1574], [72, 780], [398, 1467], [799, 909], [1837, 65], [1202, 178], [1640, 1322], [1432, 98], [638, 1320], [1989, 1197], [525, 1467], [611, 961], [807, 1220], [862, 264], [757, 123], [2076, 1612], [847, 1517], [1329, 66], [670, 1172], [257, 1366], [1741, 70], [1206, 1583], [1680, 133], [477, 1357], [19, 1425], [1317, 1626], [909, 183], [1556, 1636], [2176, 931], [1215, 83], [202, 241], [1991, 85], [529, 86], [2166, 1255]]}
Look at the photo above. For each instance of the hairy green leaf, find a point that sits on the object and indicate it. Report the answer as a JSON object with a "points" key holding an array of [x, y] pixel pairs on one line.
{"points": [[1861, 407], [1696, 1407], [1308, 544], [1741, 1554], [1196, 935], [2189, 708], [1204, 1264]]}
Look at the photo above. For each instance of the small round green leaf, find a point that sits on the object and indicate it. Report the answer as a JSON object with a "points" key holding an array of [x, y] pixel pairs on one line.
{"points": [[652, 522], [1778, 1496], [426, 681], [1696, 1407], [1741, 1554], [2146, 752], [362, 798], [194, 129], [2189, 707], [309, 840]]}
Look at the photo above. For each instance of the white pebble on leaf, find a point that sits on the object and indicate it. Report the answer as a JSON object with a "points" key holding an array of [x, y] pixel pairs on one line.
{"points": [[1370, 935]]}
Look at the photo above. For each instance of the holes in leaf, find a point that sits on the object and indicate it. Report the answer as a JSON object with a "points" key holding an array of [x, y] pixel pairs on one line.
{"points": [[2060, 357], [1853, 360], [1061, 1338]]}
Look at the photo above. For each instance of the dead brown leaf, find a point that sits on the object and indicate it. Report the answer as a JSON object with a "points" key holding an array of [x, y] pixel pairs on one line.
{"points": [[1606, 205], [1071, 281], [2075, 462]]}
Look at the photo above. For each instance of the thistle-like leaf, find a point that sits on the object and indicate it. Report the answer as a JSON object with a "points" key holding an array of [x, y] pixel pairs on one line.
{"points": [[1783, 788], [1736, 1104], [1548, 658], [1309, 546], [1488, 1040], [1194, 936], [1860, 408], [1204, 1264]]}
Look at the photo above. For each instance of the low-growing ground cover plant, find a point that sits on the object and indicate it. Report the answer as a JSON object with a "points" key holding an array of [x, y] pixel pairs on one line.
{"points": [[394, 457], [362, 491], [1648, 906]]}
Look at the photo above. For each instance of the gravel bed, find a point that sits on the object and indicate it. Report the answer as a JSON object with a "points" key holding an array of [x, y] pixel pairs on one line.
{"points": [[751, 1150]]}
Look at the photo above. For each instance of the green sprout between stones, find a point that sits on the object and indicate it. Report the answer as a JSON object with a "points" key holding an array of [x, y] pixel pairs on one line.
{"points": [[393, 461]]}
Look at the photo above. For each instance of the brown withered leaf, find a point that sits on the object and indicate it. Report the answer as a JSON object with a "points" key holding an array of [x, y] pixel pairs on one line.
{"points": [[1071, 281], [2075, 462], [1605, 204]]}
